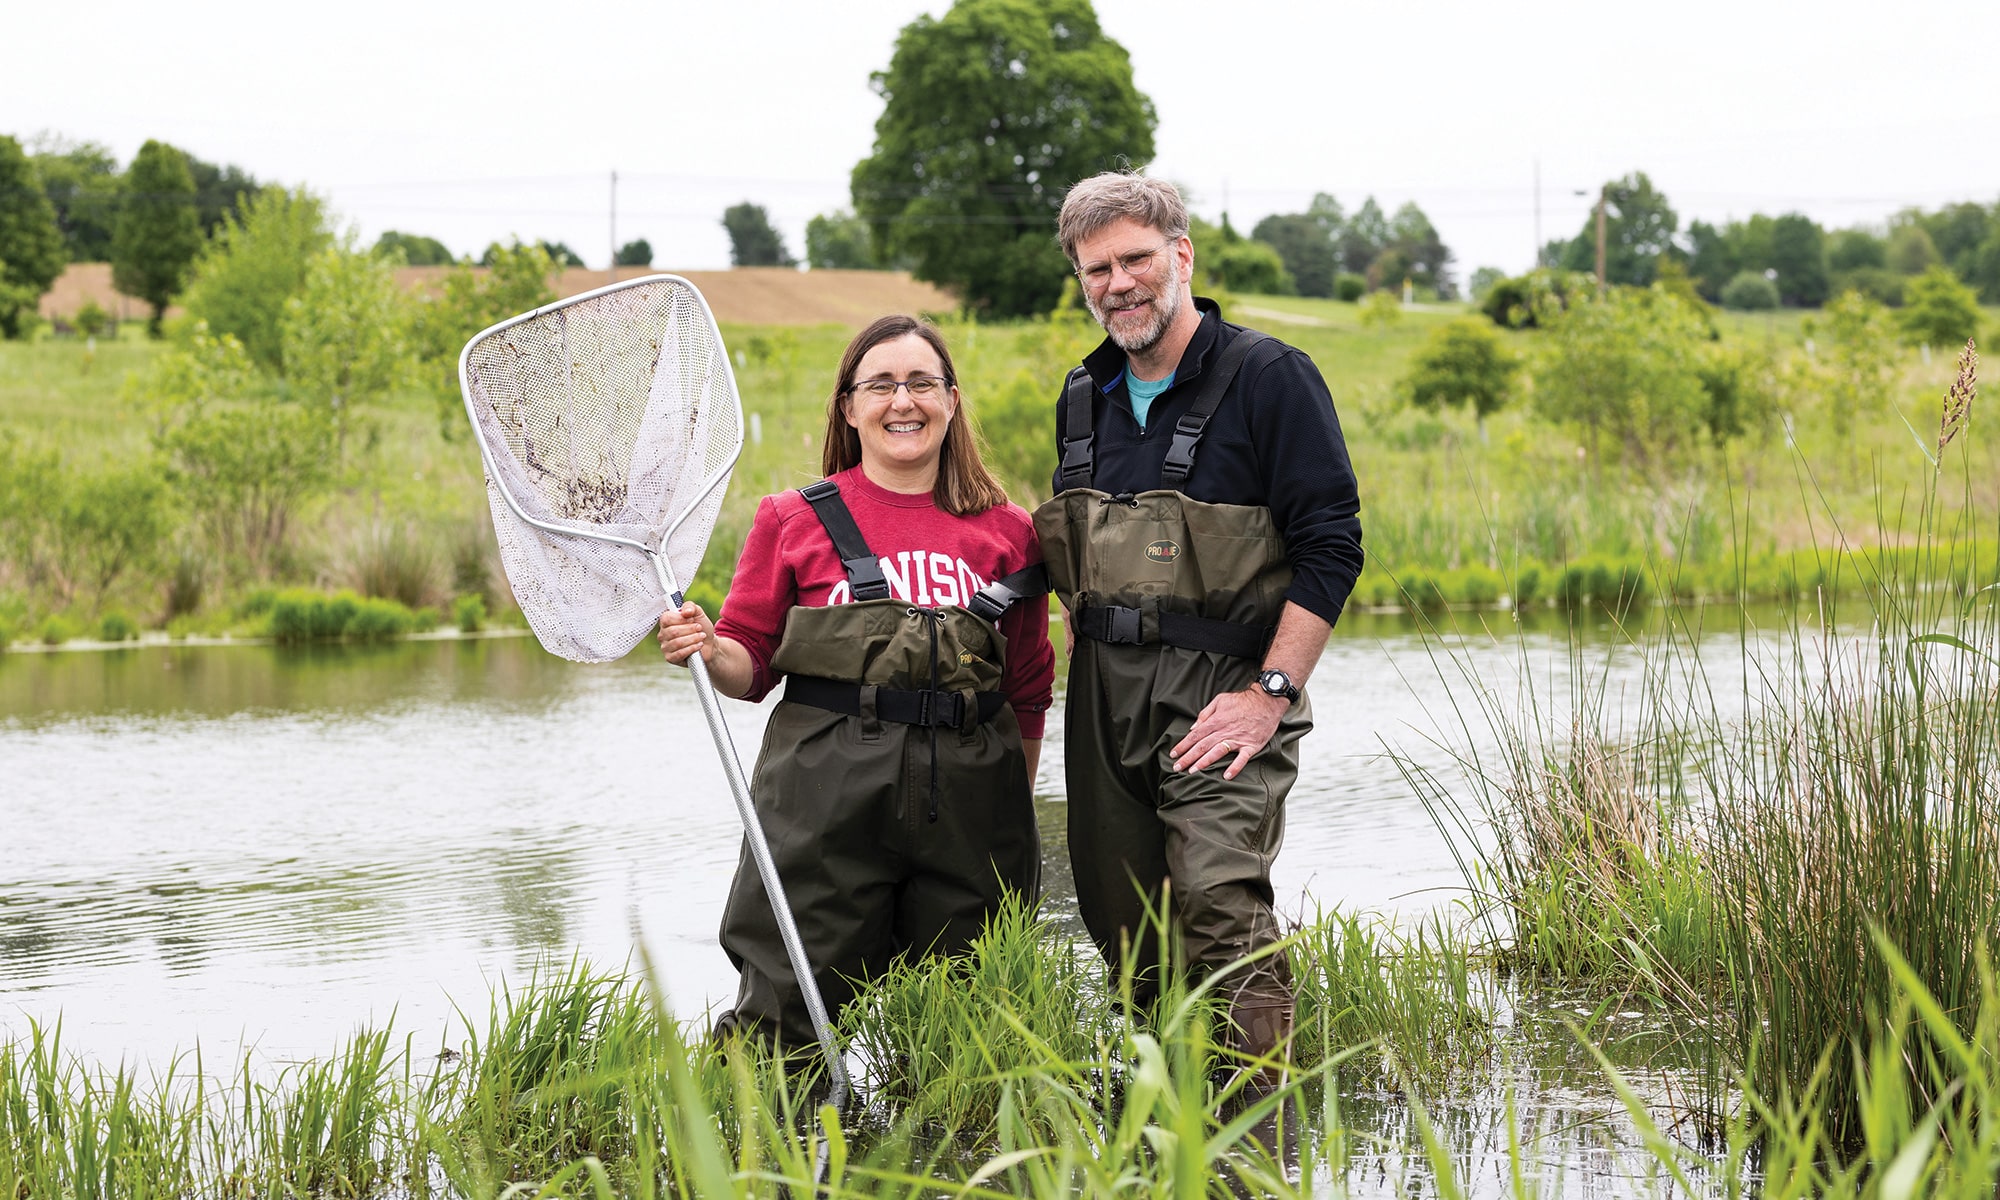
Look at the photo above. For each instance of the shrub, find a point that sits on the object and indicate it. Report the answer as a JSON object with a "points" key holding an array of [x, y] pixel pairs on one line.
{"points": [[1877, 283], [377, 619], [392, 562], [116, 626], [468, 612], [1349, 287], [1421, 591], [185, 583], [1380, 308], [55, 629], [91, 319], [1461, 363], [1529, 581], [1938, 310], [1749, 291], [1478, 584]]}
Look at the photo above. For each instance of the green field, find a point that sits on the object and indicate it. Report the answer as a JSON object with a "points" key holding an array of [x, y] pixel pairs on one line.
{"points": [[1438, 493]]}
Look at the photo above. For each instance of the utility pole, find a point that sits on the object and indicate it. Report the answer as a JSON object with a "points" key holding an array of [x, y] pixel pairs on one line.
{"points": [[614, 227], [1536, 260], [1601, 194]]}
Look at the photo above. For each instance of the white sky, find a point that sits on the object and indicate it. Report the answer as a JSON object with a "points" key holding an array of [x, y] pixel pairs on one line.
{"points": [[474, 122]]}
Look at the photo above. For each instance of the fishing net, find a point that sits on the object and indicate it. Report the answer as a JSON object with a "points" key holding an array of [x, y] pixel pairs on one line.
{"points": [[609, 424]]}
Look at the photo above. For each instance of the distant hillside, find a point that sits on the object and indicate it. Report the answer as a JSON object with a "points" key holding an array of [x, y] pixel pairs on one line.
{"points": [[744, 296]]}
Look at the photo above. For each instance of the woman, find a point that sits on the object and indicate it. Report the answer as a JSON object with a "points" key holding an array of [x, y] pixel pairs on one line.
{"points": [[894, 779]]}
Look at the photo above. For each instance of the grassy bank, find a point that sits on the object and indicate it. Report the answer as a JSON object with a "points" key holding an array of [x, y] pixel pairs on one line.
{"points": [[1455, 513]]}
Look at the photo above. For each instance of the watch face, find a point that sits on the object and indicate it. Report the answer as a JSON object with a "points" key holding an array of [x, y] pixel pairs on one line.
{"points": [[1277, 683]]}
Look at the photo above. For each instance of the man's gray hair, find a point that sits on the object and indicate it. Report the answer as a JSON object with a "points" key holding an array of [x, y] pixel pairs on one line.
{"points": [[1104, 199]]}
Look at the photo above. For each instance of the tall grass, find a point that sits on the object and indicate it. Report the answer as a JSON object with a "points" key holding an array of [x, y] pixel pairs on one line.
{"points": [[1740, 837]]}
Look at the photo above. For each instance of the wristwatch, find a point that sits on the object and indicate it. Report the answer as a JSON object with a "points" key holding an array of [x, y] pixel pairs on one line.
{"points": [[1277, 683]]}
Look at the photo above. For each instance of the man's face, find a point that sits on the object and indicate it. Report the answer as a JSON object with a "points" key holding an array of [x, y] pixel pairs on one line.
{"points": [[1134, 281]]}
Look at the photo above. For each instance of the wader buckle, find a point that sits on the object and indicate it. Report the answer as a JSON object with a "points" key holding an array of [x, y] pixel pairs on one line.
{"points": [[1113, 623]]}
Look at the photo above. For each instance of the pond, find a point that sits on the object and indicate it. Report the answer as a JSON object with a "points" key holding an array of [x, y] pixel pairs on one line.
{"points": [[262, 849]]}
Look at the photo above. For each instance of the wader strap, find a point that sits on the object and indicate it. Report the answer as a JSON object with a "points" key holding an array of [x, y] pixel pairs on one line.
{"points": [[1188, 430], [991, 601], [864, 570], [931, 709], [1079, 458], [1120, 626]]}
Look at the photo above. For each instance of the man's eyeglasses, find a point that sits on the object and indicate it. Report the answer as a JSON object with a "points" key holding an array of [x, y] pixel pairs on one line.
{"points": [[1137, 265], [922, 387]]}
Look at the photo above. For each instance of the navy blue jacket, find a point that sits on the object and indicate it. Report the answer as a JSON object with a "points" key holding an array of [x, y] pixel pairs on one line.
{"points": [[1274, 442]]}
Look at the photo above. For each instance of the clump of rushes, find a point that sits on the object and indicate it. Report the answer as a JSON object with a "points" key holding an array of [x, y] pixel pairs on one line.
{"points": [[1775, 866]]}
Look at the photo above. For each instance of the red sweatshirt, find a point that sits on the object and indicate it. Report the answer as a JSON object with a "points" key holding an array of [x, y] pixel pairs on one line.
{"points": [[931, 559]]}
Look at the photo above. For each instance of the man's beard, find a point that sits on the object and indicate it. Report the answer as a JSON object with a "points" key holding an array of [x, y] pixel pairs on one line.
{"points": [[1166, 296]]}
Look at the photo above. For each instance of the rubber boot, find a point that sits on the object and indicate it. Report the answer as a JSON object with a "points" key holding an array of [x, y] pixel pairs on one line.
{"points": [[1261, 1029]]}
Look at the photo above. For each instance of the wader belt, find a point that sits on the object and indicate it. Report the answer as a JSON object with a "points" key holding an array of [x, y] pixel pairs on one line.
{"points": [[864, 570], [1079, 453], [935, 710], [1122, 626]]}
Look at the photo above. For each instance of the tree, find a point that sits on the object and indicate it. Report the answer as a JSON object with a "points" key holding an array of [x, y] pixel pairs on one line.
{"points": [[31, 244], [1363, 238], [1957, 230], [1462, 365], [635, 253], [256, 263], [82, 181], [158, 234], [345, 337], [1855, 249], [220, 193], [989, 114], [1859, 355], [839, 241], [1911, 251], [1224, 258], [1798, 254], [753, 240], [1938, 310], [1427, 258], [417, 250], [1306, 248], [1711, 259], [1639, 227], [1483, 281], [1627, 366]]}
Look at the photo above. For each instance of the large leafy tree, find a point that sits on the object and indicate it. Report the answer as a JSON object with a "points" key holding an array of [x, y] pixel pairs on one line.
{"points": [[31, 245], [1363, 238], [82, 181], [753, 240], [417, 250], [990, 113], [158, 232], [1639, 227]]}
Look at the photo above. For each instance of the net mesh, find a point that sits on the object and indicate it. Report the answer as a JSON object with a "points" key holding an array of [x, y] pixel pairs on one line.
{"points": [[613, 414]]}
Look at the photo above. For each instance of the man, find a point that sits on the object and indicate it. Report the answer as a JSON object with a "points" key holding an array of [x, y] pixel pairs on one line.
{"points": [[1204, 536]]}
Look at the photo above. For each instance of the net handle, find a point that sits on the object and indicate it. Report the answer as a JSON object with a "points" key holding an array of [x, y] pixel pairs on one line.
{"points": [[716, 478]]}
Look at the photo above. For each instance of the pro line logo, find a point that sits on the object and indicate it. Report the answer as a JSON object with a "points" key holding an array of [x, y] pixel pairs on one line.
{"points": [[1164, 551]]}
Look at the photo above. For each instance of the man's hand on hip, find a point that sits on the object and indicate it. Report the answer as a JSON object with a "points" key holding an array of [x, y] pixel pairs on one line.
{"points": [[1234, 725]]}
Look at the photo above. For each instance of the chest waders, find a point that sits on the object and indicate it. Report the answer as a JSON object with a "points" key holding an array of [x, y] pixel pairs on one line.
{"points": [[1173, 602], [890, 783]]}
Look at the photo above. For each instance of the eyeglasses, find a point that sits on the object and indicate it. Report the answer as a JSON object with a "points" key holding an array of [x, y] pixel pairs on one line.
{"points": [[1138, 265], [921, 387]]}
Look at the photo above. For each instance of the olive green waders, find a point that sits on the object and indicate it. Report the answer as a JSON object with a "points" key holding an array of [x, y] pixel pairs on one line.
{"points": [[1172, 601], [896, 825]]}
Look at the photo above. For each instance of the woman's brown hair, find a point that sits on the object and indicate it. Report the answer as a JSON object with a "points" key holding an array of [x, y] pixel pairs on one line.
{"points": [[964, 485]]}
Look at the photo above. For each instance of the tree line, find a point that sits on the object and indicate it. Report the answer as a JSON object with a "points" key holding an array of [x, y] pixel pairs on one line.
{"points": [[1764, 261]]}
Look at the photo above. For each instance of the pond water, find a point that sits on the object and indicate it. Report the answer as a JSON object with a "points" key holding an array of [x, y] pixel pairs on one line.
{"points": [[263, 848]]}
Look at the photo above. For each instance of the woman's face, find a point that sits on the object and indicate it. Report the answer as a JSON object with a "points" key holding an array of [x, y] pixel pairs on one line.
{"points": [[902, 433]]}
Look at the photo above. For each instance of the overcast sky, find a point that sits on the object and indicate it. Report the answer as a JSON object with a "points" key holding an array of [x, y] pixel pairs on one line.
{"points": [[474, 122]]}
